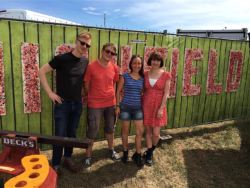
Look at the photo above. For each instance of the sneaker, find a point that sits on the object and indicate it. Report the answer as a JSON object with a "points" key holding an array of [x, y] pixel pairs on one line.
{"points": [[138, 160], [114, 156], [70, 165], [87, 163], [125, 157], [148, 156]]}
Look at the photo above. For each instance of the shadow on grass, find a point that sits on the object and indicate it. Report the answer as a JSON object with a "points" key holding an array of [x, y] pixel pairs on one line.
{"points": [[104, 172], [220, 168], [193, 133]]}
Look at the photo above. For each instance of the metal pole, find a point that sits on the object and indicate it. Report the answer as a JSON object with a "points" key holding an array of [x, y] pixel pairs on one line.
{"points": [[104, 19]]}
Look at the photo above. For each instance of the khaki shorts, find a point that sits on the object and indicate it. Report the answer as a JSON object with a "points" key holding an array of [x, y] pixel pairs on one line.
{"points": [[94, 118]]}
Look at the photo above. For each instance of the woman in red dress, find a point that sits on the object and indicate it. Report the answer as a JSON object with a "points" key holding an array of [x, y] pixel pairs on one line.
{"points": [[156, 92]]}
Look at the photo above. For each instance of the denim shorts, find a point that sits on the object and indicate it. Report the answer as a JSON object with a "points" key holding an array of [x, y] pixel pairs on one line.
{"points": [[130, 113]]}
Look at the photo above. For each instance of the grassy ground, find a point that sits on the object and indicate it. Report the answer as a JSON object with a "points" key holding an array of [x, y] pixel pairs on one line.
{"points": [[214, 155]]}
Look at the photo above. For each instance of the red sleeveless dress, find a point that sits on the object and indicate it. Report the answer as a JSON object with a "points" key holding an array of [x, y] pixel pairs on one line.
{"points": [[152, 97]]}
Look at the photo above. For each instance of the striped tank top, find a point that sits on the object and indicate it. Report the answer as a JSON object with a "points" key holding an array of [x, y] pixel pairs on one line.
{"points": [[132, 91]]}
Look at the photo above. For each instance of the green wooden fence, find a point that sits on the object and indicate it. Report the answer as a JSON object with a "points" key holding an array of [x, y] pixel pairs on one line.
{"points": [[182, 110]]}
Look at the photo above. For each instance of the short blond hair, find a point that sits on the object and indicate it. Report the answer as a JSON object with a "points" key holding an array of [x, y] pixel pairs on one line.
{"points": [[109, 44], [84, 34]]}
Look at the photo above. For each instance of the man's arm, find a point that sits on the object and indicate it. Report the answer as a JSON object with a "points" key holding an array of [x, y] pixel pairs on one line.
{"points": [[86, 87], [42, 75]]}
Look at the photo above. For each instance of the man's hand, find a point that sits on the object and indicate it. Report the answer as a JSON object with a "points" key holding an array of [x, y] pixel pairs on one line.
{"points": [[55, 98]]}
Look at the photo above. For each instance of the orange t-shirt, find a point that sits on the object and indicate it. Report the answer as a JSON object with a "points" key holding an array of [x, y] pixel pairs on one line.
{"points": [[101, 80]]}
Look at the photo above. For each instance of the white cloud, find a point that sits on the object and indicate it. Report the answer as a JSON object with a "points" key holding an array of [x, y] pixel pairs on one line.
{"points": [[194, 14], [89, 8], [94, 13]]}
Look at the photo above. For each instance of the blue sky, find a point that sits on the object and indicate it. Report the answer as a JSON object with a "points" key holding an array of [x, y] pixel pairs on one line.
{"points": [[154, 15]]}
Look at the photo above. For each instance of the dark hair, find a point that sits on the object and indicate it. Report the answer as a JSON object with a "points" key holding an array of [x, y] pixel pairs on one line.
{"points": [[155, 56], [131, 61], [109, 45]]}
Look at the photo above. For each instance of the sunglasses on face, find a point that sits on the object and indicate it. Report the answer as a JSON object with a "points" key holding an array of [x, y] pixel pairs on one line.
{"points": [[84, 43], [109, 52]]}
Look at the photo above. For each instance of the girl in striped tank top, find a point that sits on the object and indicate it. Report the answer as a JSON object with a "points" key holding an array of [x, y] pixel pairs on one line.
{"points": [[130, 107]]}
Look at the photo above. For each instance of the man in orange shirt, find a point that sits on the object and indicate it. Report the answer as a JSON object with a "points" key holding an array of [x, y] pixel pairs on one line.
{"points": [[99, 81]]}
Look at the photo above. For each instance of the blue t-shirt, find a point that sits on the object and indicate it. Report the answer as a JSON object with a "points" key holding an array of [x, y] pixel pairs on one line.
{"points": [[132, 91]]}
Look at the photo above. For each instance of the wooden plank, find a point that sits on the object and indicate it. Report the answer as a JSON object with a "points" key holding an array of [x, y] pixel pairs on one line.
{"points": [[141, 46], [224, 66], [190, 99], [55, 140], [8, 121], [198, 80], [222, 73], [31, 36], [123, 41], [197, 64], [246, 93], [158, 40], [234, 94], [104, 38], [208, 101], [149, 40], [178, 99], [241, 90], [46, 55], [114, 38], [229, 97], [215, 98], [149, 43], [132, 36], [170, 101], [57, 37], [184, 99], [220, 59], [169, 42], [94, 49], [203, 94], [248, 86], [17, 37], [224, 105], [70, 34]]}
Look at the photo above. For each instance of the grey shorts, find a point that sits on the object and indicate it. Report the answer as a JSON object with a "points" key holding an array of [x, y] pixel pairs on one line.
{"points": [[94, 118]]}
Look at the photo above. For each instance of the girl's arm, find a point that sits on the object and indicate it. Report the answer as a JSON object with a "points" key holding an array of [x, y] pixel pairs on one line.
{"points": [[166, 94], [164, 98], [118, 94]]}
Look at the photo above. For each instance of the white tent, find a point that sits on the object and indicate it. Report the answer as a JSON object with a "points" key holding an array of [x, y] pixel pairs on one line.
{"points": [[30, 15]]}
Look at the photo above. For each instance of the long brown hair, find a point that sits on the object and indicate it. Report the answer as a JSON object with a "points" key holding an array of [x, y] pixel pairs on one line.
{"points": [[131, 61]]}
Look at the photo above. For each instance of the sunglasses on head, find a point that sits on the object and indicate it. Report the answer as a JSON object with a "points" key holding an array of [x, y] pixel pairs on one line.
{"points": [[109, 52], [84, 44]]}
